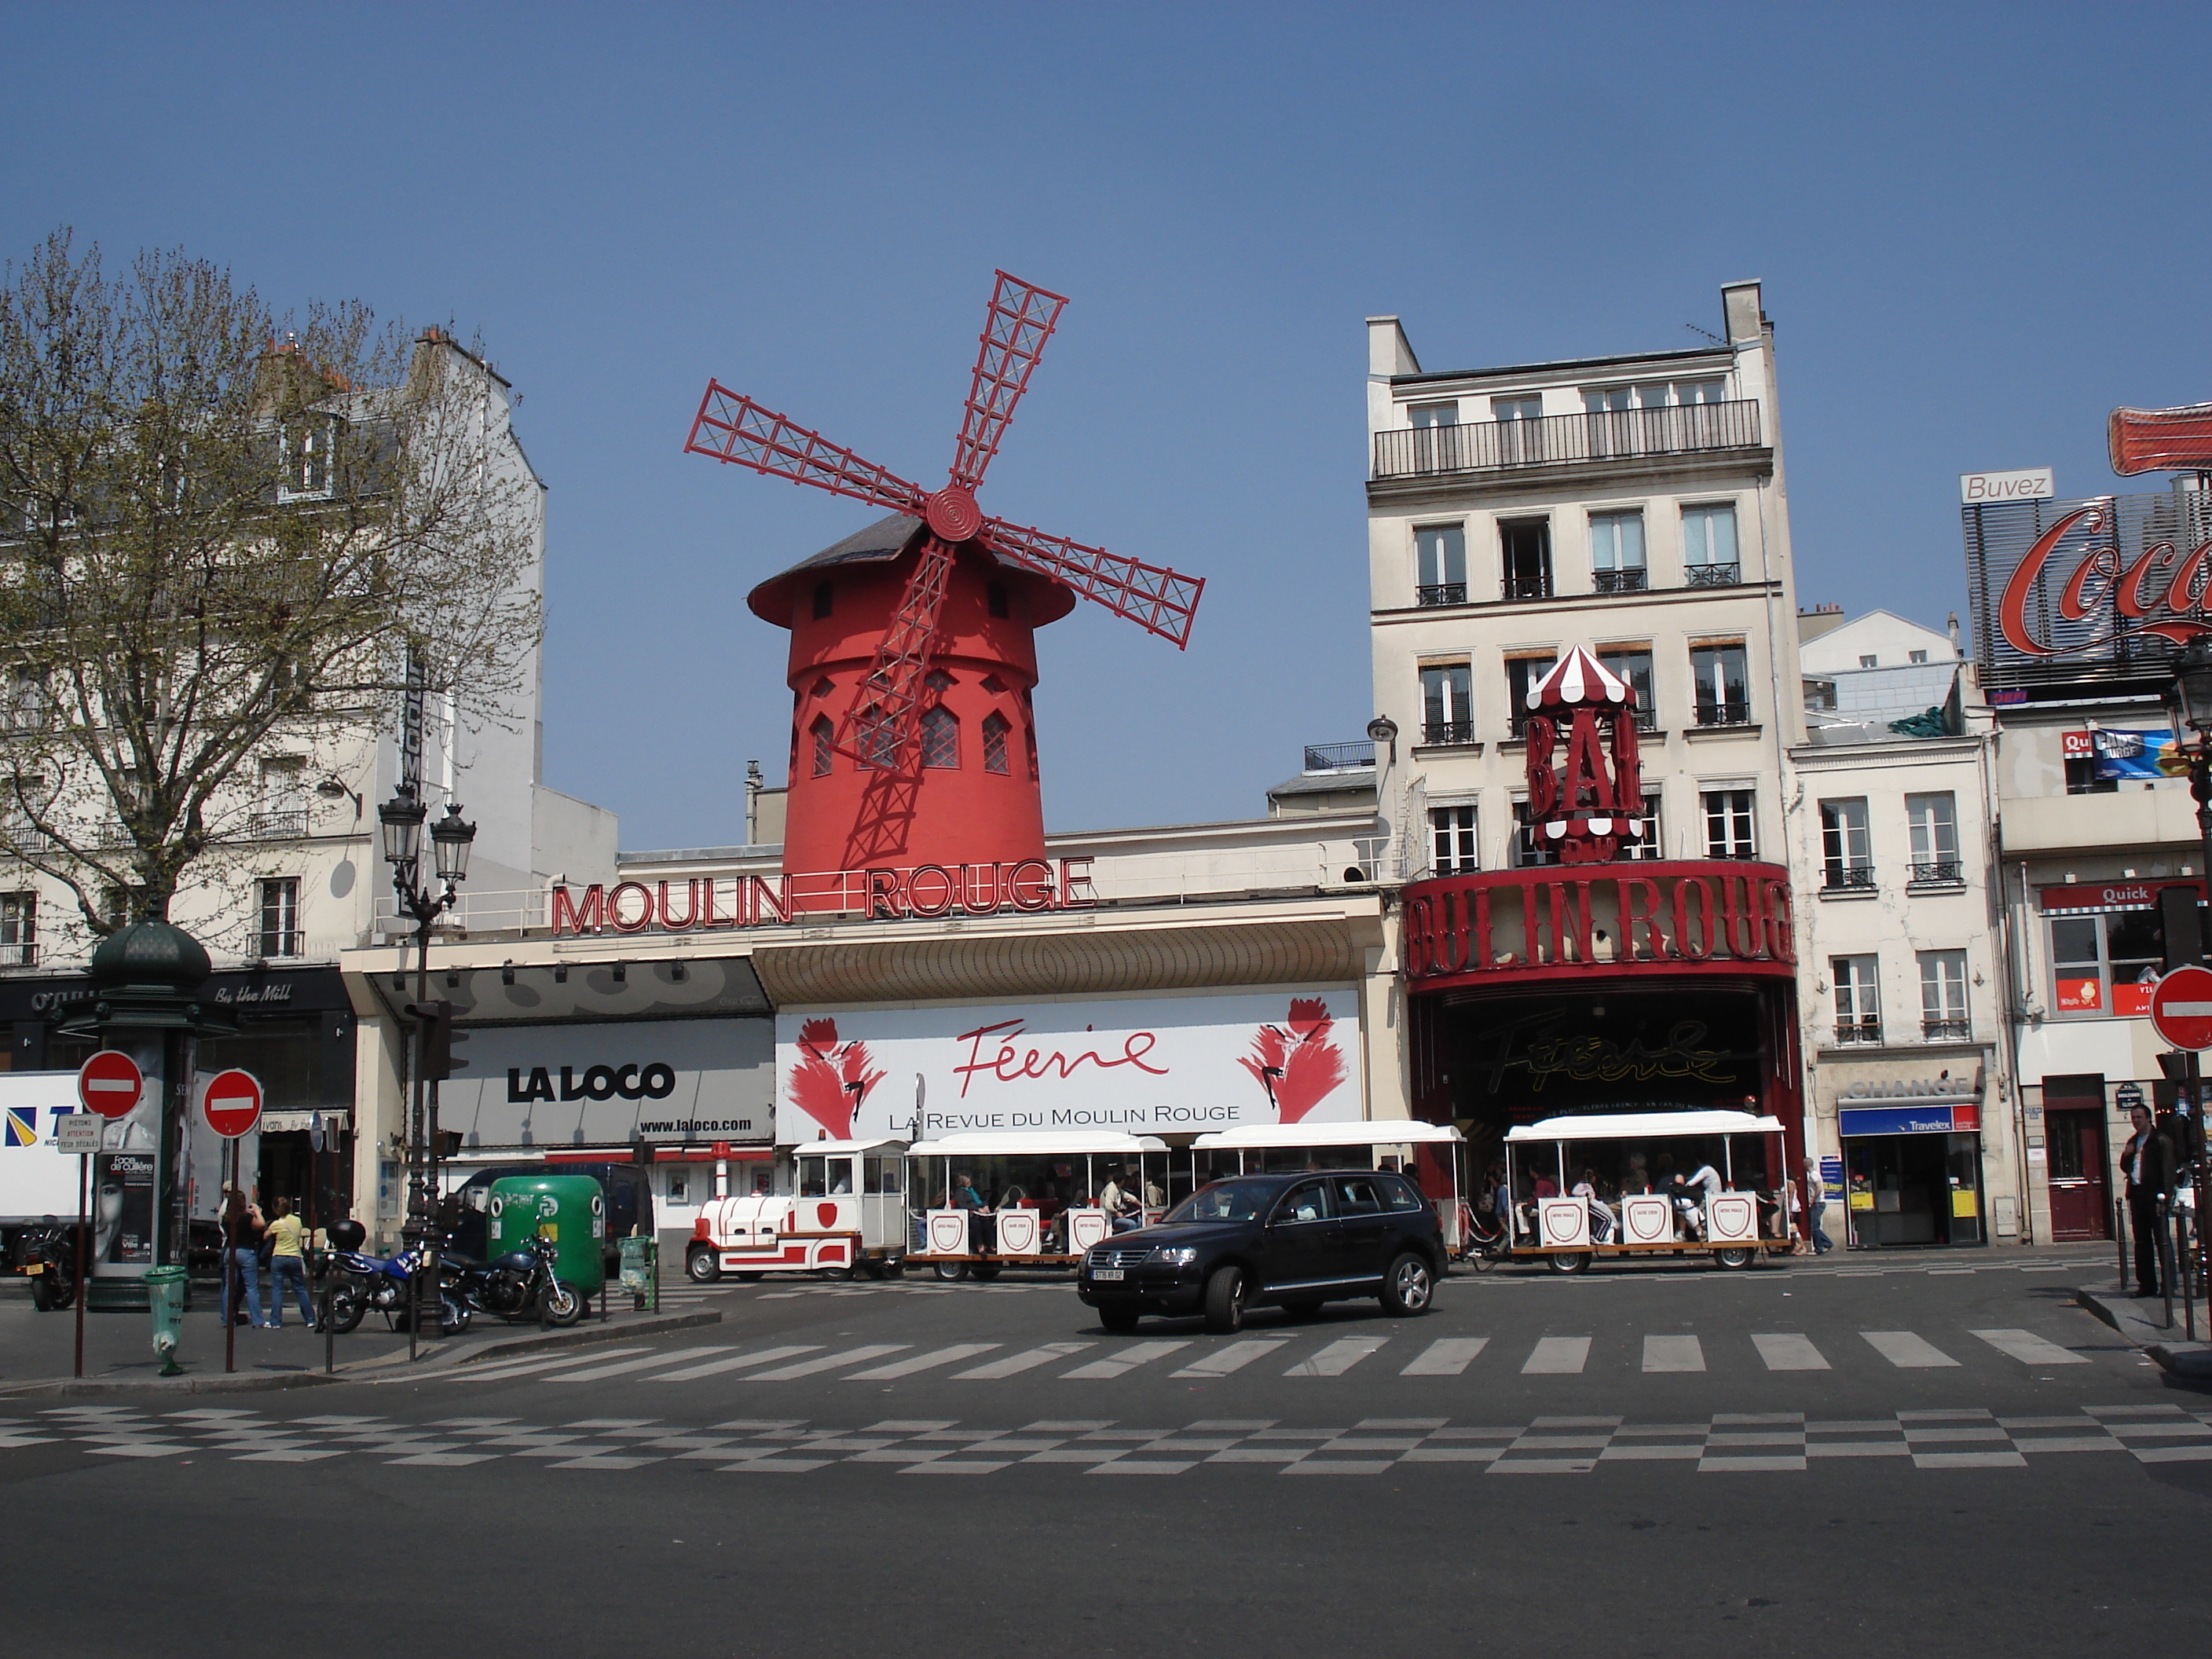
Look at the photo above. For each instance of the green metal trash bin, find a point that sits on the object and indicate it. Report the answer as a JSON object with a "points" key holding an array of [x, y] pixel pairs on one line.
{"points": [[570, 1210], [165, 1296], [641, 1271]]}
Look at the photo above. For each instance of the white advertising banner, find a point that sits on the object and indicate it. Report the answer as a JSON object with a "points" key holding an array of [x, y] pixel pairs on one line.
{"points": [[604, 1084], [1145, 1065]]}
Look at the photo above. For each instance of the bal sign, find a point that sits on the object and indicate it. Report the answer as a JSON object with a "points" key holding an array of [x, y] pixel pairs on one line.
{"points": [[232, 1105], [110, 1083], [2181, 1007]]}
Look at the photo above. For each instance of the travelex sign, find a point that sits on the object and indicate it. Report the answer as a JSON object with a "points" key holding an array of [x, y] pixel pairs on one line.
{"points": [[925, 890], [1134, 1066]]}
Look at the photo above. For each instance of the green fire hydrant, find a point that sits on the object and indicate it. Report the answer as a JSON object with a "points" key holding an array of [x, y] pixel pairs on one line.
{"points": [[165, 1297]]}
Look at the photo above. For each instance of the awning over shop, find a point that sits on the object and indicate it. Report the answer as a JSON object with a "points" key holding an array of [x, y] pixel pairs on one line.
{"points": [[2103, 898], [1388, 1131], [1626, 1126], [1055, 1143]]}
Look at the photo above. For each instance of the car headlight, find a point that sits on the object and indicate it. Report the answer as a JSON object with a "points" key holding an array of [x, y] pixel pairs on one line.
{"points": [[1168, 1256]]}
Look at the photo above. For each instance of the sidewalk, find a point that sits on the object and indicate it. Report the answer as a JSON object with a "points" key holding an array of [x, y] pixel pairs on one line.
{"points": [[2137, 1320], [37, 1350]]}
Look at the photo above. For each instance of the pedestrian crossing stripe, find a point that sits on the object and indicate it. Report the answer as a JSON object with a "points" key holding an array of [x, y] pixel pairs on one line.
{"points": [[22, 1125]]}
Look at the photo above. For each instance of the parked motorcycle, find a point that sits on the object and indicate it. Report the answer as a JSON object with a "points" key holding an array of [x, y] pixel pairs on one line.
{"points": [[518, 1285], [49, 1263], [361, 1283]]}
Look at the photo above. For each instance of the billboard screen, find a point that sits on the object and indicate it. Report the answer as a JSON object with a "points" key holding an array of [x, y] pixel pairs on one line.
{"points": [[2100, 591]]}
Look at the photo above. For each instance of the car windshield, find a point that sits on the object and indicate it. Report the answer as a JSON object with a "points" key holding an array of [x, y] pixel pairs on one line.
{"points": [[1224, 1200]]}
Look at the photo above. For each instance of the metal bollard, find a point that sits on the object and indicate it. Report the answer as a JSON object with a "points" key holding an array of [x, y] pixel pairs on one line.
{"points": [[2186, 1267]]}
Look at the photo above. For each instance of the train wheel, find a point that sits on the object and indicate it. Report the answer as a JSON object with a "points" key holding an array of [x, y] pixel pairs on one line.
{"points": [[1733, 1258], [1569, 1261]]}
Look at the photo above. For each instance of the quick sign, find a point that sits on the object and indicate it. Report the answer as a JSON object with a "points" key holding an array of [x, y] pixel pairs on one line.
{"points": [[1143, 1065], [2033, 484], [606, 1084]]}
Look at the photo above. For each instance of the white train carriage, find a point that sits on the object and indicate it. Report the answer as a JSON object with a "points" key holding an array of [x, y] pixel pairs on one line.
{"points": [[1628, 1206], [827, 1205], [1036, 1196]]}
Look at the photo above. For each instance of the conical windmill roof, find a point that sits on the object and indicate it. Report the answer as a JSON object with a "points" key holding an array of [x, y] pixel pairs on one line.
{"points": [[1580, 677]]}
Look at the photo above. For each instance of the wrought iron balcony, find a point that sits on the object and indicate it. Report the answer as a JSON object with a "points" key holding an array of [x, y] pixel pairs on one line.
{"points": [[1339, 756], [276, 942], [1447, 732], [1939, 873], [1724, 714], [1528, 586], [1711, 575], [1946, 1030], [21, 954], [1555, 440], [1866, 1029], [1620, 581], [1847, 878], [1442, 593], [289, 825]]}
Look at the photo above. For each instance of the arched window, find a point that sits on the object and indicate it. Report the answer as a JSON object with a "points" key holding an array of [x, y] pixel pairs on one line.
{"points": [[823, 733], [995, 728], [940, 739]]}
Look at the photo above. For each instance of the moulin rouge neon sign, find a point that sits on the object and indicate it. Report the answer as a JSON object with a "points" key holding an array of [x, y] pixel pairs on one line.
{"points": [[926, 891], [2160, 578]]}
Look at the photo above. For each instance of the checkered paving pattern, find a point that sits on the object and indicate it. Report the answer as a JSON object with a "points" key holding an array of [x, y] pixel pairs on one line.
{"points": [[1752, 1443]]}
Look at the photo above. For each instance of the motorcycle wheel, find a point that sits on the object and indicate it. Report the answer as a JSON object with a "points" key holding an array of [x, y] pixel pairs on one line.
{"points": [[453, 1316], [564, 1305], [50, 1295], [348, 1304]]}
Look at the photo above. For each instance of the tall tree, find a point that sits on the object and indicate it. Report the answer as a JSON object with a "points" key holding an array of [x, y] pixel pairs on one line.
{"points": [[225, 527]]}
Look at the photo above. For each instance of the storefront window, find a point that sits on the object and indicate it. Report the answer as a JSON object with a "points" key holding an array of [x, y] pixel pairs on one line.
{"points": [[2104, 964]]}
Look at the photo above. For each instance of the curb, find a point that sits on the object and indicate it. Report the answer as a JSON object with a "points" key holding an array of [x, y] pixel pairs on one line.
{"points": [[2177, 1357], [249, 1382]]}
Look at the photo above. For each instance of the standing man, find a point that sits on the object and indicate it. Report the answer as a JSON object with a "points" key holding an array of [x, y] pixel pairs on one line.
{"points": [[2147, 1164], [1816, 1196]]}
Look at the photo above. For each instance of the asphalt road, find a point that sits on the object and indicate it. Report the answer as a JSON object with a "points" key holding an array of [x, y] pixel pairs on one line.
{"points": [[1937, 1453]]}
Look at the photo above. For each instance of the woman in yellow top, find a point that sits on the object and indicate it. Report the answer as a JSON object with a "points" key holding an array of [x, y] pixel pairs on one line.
{"points": [[286, 1265]]}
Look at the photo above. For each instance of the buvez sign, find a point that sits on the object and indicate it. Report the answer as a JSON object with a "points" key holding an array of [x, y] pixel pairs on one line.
{"points": [[927, 889]]}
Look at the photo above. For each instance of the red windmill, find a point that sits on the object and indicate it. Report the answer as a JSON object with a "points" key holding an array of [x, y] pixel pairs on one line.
{"points": [[912, 657]]}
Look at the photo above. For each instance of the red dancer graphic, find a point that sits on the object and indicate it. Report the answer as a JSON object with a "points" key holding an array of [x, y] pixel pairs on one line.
{"points": [[829, 1082], [1298, 1067]]}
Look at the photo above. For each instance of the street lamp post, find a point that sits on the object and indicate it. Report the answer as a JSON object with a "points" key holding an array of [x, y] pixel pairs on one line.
{"points": [[2189, 702], [401, 819]]}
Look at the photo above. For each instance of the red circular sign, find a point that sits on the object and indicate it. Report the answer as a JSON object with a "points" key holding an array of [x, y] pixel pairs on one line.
{"points": [[232, 1105], [2181, 1007], [110, 1083]]}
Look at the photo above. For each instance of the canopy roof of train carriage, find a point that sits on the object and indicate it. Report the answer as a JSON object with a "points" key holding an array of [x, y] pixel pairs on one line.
{"points": [[1633, 1126]]}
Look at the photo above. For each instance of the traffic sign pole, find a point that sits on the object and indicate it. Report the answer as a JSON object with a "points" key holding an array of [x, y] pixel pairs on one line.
{"points": [[83, 1288]]}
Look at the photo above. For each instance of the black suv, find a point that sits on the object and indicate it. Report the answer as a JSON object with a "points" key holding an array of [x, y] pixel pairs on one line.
{"points": [[1288, 1241]]}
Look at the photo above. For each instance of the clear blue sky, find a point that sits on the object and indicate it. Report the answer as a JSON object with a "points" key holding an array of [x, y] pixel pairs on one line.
{"points": [[1979, 229]]}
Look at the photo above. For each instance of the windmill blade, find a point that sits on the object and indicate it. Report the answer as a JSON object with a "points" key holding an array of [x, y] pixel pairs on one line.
{"points": [[734, 429], [1020, 319], [1151, 596], [883, 728]]}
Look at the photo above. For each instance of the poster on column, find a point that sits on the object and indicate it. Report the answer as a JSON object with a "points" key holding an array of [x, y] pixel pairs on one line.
{"points": [[1138, 1066]]}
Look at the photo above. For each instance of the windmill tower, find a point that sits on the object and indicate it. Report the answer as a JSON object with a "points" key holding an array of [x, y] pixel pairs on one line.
{"points": [[911, 647]]}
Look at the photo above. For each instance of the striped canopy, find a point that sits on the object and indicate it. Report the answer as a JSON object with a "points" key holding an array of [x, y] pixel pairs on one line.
{"points": [[1580, 677]]}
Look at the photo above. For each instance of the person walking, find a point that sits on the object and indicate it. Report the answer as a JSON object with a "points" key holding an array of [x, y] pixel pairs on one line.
{"points": [[1816, 1198], [286, 1265], [242, 1227], [2147, 1162]]}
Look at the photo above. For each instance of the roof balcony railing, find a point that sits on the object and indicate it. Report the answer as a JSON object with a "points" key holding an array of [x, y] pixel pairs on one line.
{"points": [[1609, 435], [1339, 756]]}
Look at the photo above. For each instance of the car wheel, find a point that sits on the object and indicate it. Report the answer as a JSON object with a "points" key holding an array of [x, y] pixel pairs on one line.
{"points": [[1119, 1321], [1734, 1258], [950, 1271], [1408, 1287], [700, 1265], [1224, 1302], [1569, 1261], [1306, 1307]]}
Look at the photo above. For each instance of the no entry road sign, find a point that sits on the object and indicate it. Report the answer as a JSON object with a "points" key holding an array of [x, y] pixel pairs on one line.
{"points": [[110, 1083], [232, 1105], [2181, 1007]]}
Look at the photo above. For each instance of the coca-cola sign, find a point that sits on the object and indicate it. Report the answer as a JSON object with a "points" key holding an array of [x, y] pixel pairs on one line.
{"points": [[2098, 590]]}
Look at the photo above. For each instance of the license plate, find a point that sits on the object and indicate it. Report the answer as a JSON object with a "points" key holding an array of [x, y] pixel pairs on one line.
{"points": [[35, 1267], [1107, 1275]]}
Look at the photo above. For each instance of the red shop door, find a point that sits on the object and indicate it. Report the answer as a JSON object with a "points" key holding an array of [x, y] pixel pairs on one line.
{"points": [[2081, 1193]]}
